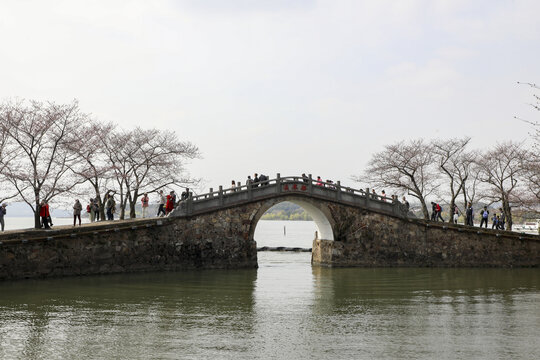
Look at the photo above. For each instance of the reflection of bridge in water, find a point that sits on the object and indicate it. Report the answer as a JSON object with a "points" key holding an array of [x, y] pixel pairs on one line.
{"points": [[215, 230]]}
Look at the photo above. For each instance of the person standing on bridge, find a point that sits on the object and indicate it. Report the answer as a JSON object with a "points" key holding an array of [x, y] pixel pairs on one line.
{"points": [[173, 198], [256, 180], [3, 213], [319, 181], [77, 208], [185, 194], [249, 182], [406, 203], [161, 209], [144, 205], [233, 186]]}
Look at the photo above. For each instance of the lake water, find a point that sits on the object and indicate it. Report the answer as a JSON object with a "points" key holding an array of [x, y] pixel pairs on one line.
{"points": [[286, 309]]}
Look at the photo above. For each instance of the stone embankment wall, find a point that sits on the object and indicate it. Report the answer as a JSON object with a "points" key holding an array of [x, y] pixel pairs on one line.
{"points": [[127, 246], [223, 238], [370, 239]]}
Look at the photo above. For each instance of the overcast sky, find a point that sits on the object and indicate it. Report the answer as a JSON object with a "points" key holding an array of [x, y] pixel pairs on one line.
{"points": [[281, 85]]}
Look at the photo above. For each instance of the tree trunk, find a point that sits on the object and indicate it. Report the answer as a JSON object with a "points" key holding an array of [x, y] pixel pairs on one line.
{"points": [[451, 212], [508, 214], [133, 203], [37, 219], [424, 208], [123, 208], [132, 214]]}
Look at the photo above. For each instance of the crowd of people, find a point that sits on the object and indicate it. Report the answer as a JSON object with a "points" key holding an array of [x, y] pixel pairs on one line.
{"points": [[498, 221], [108, 208], [166, 204]]}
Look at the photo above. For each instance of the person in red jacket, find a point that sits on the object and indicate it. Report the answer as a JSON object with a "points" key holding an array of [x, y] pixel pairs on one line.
{"points": [[170, 203], [44, 213]]}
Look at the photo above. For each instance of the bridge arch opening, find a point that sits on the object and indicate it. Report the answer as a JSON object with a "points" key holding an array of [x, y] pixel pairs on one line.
{"points": [[319, 215]]}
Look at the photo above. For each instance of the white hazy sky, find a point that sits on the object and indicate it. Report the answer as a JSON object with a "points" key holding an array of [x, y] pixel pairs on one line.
{"points": [[281, 85]]}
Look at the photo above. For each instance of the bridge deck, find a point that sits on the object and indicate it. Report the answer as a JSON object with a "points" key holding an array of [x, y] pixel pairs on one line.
{"points": [[284, 186]]}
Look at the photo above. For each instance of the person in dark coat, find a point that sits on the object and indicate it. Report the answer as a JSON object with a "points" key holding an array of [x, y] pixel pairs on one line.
{"points": [[433, 211], [469, 215], [3, 213], [484, 216]]}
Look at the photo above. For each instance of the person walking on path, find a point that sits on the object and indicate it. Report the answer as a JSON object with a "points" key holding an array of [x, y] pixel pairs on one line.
{"points": [[433, 211], [484, 216], [77, 208], [144, 204], [95, 206], [495, 220], [169, 205], [438, 211], [469, 215], [110, 205], [3, 213], [456, 214], [173, 199], [44, 214], [92, 210], [161, 210], [502, 220], [49, 218]]}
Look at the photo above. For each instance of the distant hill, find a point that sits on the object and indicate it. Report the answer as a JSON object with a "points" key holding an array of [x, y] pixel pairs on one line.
{"points": [[286, 211]]}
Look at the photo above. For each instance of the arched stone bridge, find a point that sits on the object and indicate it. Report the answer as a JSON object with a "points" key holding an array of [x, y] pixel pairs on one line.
{"points": [[215, 230], [357, 228], [311, 196]]}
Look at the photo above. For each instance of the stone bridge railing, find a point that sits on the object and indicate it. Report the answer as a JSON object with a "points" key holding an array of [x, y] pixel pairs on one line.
{"points": [[283, 186]]}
